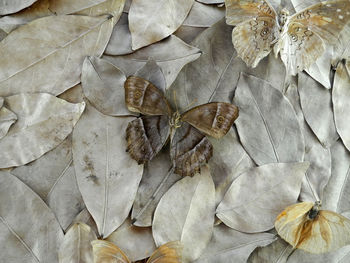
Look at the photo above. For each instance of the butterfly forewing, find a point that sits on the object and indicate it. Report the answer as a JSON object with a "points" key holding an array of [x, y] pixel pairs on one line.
{"points": [[189, 149], [214, 119], [168, 253], [146, 136], [143, 97], [107, 252]]}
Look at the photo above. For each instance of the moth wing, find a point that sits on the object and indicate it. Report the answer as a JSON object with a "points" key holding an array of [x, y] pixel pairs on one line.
{"points": [[214, 119], [299, 48], [189, 149], [146, 136], [289, 222], [143, 97], [238, 11], [328, 231], [170, 252], [107, 252]]}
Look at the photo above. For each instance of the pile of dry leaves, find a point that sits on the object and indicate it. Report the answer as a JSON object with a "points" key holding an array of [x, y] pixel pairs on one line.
{"points": [[66, 174]]}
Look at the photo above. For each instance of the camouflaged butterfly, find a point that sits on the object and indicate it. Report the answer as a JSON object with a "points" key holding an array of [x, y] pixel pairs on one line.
{"points": [[107, 252], [300, 38], [316, 231], [189, 147]]}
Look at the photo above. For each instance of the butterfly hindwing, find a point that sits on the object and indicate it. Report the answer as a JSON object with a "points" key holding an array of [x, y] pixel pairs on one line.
{"points": [[189, 149], [214, 118], [170, 252], [146, 136], [143, 97], [107, 252]]}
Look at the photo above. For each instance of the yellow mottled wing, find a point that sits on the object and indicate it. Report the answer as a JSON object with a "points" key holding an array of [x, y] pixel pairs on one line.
{"points": [[168, 253], [327, 232], [289, 222], [107, 252]]}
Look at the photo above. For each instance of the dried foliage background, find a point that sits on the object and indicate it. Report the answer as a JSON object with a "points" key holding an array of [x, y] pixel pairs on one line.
{"points": [[66, 180]]}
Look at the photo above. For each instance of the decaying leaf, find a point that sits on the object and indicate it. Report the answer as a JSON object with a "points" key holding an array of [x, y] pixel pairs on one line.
{"points": [[12, 6], [76, 246], [341, 102], [7, 118], [265, 109], [107, 177], [52, 177], [259, 194], [51, 53], [170, 62], [44, 121], [29, 230], [186, 213], [136, 242], [228, 245], [153, 73], [103, 86], [150, 22]]}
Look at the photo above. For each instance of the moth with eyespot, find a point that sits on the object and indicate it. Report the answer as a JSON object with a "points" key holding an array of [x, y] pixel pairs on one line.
{"points": [[189, 146], [305, 226]]}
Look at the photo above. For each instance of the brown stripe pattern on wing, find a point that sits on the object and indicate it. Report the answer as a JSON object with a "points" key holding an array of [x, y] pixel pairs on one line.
{"points": [[189, 150], [146, 136], [143, 97]]}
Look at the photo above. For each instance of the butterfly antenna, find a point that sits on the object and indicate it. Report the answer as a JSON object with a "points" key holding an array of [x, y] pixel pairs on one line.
{"points": [[174, 93], [190, 105]]}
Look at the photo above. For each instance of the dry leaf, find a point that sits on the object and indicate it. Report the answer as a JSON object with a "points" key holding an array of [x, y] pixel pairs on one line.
{"points": [[258, 195], [341, 103], [85, 217], [318, 112], [153, 73], [211, 1], [320, 70], [51, 53], [52, 177], [76, 246], [228, 245], [107, 177], [150, 22], [170, 62], [44, 121], [103, 86], [265, 109], [29, 230], [73, 95], [136, 242], [186, 213], [203, 15], [13, 6], [7, 118]]}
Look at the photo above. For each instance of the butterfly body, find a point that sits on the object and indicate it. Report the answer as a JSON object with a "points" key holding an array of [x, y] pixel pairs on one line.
{"points": [[300, 39], [189, 147]]}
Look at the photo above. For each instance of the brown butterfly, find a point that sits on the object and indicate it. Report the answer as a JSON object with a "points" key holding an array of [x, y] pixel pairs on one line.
{"points": [[307, 227], [301, 38], [107, 252], [189, 147]]}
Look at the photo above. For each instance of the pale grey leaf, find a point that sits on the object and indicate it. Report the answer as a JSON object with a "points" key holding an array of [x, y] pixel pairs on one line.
{"points": [[52, 177], [276, 252], [258, 195], [76, 246], [7, 118], [85, 217], [156, 180], [13, 6], [120, 41], [214, 76], [318, 112], [136, 242], [186, 213], [103, 86], [266, 110], [320, 70], [229, 160], [73, 95], [170, 62], [64, 42], [44, 121], [153, 73], [150, 22], [1, 102], [107, 177], [204, 15], [188, 33], [29, 231], [231, 246], [299, 5], [211, 1], [341, 102]]}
